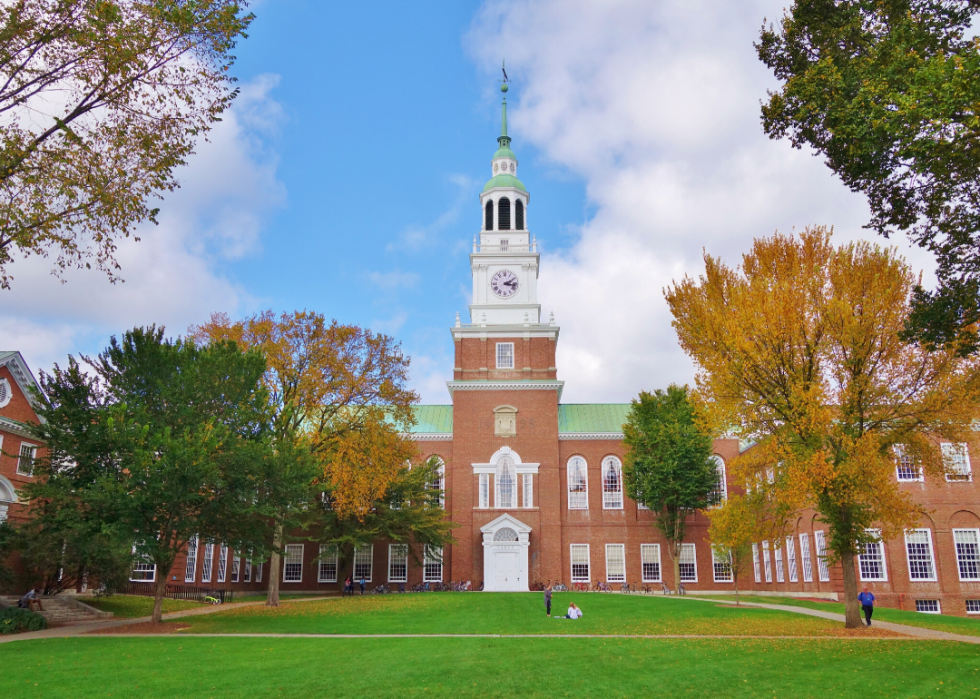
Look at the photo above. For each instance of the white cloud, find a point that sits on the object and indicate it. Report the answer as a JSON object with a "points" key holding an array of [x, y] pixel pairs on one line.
{"points": [[416, 237], [656, 106], [173, 275]]}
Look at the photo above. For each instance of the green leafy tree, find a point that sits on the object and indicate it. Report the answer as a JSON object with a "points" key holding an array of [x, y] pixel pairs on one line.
{"points": [[888, 93], [162, 439], [102, 101], [669, 465]]}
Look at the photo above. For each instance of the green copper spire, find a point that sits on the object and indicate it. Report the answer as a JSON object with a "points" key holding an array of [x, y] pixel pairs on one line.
{"points": [[503, 178], [504, 139]]}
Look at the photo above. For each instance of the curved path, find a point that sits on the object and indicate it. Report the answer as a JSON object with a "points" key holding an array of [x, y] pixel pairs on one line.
{"points": [[82, 629]]}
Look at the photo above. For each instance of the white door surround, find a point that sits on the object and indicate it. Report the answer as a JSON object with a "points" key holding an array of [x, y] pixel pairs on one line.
{"points": [[505, 559]]}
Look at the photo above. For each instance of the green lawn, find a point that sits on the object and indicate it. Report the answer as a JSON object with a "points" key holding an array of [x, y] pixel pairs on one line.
{"points": [[508, 613], [441, 667], [132, 606], [939, 622]]}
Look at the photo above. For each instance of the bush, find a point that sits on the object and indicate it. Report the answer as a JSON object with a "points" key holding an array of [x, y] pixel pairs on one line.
{"points": [[15, 620]]}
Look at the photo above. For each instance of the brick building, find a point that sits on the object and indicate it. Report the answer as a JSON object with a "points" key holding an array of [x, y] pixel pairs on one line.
{"points": [[17, 448]]}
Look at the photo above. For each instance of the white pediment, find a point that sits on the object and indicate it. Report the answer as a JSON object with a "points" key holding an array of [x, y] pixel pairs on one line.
{"points": [[506, 520]]}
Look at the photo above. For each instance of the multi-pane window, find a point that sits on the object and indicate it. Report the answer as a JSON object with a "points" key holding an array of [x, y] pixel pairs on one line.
{"points": [[506, 485], [871, 560], [721, 565], [957, 462], [258, 571], [292, 570], [206, 567], [927, 606], [432, 564], [248, 570], [578, 484], [720, 491], [484, 490], [906, 468], [222, 562], [616, 563], [778, 554], [650, 562], [327, 564], [528, 496], [397, 562], [766, 562], [25, 460], [755, 563], [236, 563], [688, 564], [805, 558], [791, 559], [918, 545], [822, 567], [143, 571], [191, 568], [612, 484], [438, 483], [973, 606], [967, 553], [505, 355], [580, 562], [363, 562]]}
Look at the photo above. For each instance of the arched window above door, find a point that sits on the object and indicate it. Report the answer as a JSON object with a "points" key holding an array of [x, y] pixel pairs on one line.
{"points": [[506, 483], [505, 534]]}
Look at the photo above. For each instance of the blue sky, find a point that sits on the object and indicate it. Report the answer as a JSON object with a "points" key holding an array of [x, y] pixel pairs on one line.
{"points": [[345, 180]]}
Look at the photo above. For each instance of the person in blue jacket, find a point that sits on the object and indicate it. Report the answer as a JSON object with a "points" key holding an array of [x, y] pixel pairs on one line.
{"points": [[867, 601]]}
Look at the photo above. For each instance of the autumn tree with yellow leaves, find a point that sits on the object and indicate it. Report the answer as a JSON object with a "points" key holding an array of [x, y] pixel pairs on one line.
{"points": [[339, 401], [799, 350]]}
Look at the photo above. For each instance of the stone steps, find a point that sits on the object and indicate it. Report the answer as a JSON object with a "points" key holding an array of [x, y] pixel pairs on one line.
{"points": [[60, 611]]}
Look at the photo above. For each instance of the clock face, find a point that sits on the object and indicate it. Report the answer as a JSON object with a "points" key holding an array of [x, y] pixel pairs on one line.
{"points": [[504, 283]]}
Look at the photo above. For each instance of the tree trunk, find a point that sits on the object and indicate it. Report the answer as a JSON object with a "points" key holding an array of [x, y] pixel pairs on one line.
{"points": [[738, 603], [161, 588], [675, 554], [852, 610], [272, 599]]}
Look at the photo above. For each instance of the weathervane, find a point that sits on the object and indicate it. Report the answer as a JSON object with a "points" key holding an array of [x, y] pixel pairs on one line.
{"points": [[503, 67]]}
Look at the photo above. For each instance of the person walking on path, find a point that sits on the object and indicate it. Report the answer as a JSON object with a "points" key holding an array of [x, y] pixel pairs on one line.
{"points": [[867, 601], [547, 600], [362, 583], [348, 586]]}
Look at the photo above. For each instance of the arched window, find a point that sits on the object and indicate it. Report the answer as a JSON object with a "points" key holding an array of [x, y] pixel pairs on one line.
{"points": [[503, 214], [578, 484], [439, 481], [612, 484], [506, 483], [518, 215], [488, 217], [505, 534], [720, 491]]}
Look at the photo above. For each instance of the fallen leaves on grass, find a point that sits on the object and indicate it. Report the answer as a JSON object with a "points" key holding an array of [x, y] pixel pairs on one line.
{"points": [[145, 627]]}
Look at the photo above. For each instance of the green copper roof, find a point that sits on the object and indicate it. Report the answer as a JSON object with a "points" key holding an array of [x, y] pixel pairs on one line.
{"points": [[432, 419], [504, 181], [592, 417]]}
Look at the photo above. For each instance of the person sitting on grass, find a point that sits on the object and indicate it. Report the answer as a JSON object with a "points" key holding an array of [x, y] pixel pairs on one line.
{"points": [[30, 599], [573, 612]]}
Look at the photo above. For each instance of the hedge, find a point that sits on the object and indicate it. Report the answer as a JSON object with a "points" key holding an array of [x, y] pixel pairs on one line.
{"points": [[15, 620]]}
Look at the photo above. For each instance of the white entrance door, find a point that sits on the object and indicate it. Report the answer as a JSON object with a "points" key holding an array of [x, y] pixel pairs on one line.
{"points": [[505, 565]]}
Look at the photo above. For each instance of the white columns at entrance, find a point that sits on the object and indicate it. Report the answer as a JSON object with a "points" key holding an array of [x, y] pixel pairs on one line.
{"points": [[505, 555]]}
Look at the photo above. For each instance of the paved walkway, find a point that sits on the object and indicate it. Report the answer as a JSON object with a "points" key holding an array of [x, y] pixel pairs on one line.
{"points": [[81, 629]]}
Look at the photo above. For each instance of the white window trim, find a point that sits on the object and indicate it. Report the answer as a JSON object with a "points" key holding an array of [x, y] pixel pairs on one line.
{"points": [[568, 478], [429, 560], [588, 559], [149, 568], [956, 551], [236, 568], [286, 562], [190, 565], [20, 452], [722, 479], [755, 563], [208, 563], [497, 502], [370, 550], [932, 556], [513, 360], [622, 549], [715, 560], [222, 563], [660, 569], [823, 569], [792, 569], [527, 490], [777, 558], [610, 503], [7, 395], [939, 606], [766, 562], [694, 557], [899, 451], [248, 570], [884, 565], [806, 559], [324, 558], [259, 565], [484, 494], [391, 560], [974, 611], [965, 476]]}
